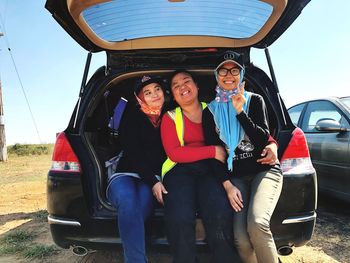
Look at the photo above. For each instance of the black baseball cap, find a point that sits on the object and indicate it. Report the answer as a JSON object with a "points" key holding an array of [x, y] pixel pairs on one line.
{"points": [[148, 79], [231, 56]]}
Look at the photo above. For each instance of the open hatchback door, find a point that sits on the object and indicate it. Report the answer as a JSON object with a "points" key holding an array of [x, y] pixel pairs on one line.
{"points": [[163, 24]]}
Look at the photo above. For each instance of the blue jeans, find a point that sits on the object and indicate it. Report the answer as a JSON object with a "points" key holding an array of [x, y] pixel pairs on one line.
{"points": [[134, 201], [253, 237], [192, 187]]}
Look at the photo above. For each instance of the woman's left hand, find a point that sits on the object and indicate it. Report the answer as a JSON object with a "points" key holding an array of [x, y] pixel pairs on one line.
{"points": [[234, 195], [269, 154], [238, 100], [158, 190]]}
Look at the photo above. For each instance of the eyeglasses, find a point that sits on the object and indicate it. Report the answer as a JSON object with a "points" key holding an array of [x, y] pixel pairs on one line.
{"points": [[224, 71]]}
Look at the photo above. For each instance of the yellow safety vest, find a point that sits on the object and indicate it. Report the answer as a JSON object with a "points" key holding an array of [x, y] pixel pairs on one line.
{"points": [[177, 116]]}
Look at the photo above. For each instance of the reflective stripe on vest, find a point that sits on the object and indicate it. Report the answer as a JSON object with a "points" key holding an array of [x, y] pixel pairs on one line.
{"points": [[179, 126]]}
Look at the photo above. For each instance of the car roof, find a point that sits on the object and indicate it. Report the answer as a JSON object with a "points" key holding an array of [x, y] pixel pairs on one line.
{"points": [[334, 99], [329, 98], [133, 25]]}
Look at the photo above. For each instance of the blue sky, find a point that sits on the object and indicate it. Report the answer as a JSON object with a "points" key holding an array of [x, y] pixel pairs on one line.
{"points": [[311, 60]]}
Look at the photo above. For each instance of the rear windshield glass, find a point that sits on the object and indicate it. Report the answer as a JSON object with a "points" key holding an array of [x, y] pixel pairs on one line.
{"points": [[125, 20]]}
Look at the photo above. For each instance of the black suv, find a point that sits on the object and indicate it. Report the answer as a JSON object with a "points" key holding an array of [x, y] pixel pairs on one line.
{"points": [[158, 37]]}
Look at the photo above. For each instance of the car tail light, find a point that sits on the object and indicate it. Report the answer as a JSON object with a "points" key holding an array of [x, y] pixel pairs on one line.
{"points": [[296, 158], [63, 157]]}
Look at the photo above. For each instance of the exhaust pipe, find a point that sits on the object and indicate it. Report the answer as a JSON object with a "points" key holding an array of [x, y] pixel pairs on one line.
{"points": [[285, 250], [80, 251]]}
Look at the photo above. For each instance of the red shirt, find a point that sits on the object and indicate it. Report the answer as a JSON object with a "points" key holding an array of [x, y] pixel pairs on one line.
{"points": [[194, 148]]}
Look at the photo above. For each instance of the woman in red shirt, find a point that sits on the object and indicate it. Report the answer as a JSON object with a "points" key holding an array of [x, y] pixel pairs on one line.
{"points": [[191, 184], [191, 181]]}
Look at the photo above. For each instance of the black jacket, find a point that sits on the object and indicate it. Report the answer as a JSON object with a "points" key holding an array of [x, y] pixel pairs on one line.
{"points": [[142, 146], [256, 128]]}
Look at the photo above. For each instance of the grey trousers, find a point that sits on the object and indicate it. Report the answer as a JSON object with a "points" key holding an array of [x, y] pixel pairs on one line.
{"points": [[252, 235]]}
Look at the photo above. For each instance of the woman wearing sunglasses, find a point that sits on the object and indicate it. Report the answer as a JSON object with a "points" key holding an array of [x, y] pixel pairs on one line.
{"points": [[238, 120]]}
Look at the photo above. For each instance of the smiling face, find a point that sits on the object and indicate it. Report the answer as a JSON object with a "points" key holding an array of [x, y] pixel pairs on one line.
{"points": [[153, 95], [184, 89], [229, 82]]}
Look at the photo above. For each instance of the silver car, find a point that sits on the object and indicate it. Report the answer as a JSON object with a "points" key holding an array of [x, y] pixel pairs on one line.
{"points": [[326, 124]]}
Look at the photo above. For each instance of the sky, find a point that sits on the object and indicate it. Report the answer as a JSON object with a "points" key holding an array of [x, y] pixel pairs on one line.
{"points": [[45, 65]]}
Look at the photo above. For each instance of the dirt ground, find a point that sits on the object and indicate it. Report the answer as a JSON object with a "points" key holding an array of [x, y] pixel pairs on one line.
{"points": [[22, 199]]}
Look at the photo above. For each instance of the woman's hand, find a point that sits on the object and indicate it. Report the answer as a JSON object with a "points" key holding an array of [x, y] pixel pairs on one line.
{"points": [[238, 100], [269, 154], [158, 190], [220, 154], [234, 195]]}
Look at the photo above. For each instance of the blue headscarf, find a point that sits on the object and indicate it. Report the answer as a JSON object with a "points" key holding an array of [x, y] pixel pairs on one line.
{"points": [[230, 130]]}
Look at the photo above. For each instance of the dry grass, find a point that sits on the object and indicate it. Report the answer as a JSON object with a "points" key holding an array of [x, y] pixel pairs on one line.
{"points": [[24, 168], [25, 178]]}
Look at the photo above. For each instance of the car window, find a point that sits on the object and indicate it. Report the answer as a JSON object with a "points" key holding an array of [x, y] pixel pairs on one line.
{"points": [[295, 113], [125, 20], [346, 101], [316, 111], [344, 122]]}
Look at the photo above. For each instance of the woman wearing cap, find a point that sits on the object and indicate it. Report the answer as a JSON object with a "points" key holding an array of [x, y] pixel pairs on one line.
{"points": [[238, 119], [189, 178], [137, 176]]}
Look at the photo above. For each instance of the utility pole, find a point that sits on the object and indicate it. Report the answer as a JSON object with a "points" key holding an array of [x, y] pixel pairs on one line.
{"points": [[3, 148]]}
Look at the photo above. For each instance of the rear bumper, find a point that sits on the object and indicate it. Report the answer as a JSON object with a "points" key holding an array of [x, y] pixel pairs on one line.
{"points": [[292, 223], [295, 231], [61, 221], [299, 219], [92, 234], [294, 218], [103, 234]]}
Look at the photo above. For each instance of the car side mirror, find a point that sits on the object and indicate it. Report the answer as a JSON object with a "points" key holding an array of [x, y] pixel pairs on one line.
{"points": [[330, 125]]}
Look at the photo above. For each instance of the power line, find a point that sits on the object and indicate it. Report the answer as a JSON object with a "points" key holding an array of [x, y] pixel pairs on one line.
{"points": [[5, 13], [19, 78]]}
